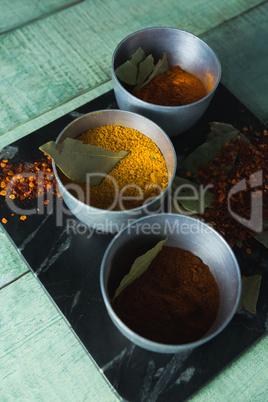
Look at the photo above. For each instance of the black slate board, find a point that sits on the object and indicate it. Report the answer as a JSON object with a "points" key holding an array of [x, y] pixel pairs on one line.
{"points": [[67, 265]]}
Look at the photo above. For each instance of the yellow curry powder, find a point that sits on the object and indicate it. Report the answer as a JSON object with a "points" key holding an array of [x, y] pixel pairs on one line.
{"points": [[142, 174]]}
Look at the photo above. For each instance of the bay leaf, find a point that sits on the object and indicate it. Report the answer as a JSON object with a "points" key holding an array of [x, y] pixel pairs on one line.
{"points": [[137, 57], [176, 208], [219, 128], [262, 237], [160, 68], [128, 71], [140, 265], [250, 293], [206, 152], [76, 159], [195, 199], [145, 69]]}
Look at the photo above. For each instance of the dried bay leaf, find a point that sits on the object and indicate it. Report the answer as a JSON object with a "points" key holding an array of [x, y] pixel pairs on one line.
{"points": [[137, 57], [128, 71], [160, 68], [195, 199], [250, 293], [145, 69], [219, 128], [139, 266], [262, 237], [76, 159], [206, 152], [140, 70]]}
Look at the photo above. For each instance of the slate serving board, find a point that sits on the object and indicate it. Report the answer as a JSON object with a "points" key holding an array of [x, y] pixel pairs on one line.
{"points": [[66, 260]]}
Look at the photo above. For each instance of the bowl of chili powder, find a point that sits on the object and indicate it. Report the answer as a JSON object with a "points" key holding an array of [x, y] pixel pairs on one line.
{"points": [[136, 186], [185, 297], [177, 98]]}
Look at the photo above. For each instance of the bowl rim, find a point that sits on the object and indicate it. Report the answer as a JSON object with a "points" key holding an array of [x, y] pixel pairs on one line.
{"points": [[163, 107], [145, 342], [126, 211]]}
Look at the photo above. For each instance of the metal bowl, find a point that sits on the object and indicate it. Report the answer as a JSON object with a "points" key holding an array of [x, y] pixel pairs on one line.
{"points": [[186, 233], [106, 220], [182, 48]]}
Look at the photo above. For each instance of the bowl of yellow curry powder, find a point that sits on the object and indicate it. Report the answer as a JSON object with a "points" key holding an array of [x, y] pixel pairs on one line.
{"points": [[166, 74], [170, 282], [141, 164]]}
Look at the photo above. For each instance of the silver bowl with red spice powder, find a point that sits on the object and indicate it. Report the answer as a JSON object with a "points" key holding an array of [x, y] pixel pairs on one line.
{"points": [[183, 49], [211, 262]]}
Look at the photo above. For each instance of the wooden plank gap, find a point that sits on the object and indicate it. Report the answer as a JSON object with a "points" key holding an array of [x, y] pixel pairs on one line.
{"points": [[15, 279], [233, 18], [42, 16]]}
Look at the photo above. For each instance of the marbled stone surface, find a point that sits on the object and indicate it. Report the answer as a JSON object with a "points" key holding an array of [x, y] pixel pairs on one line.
{"points": [[67, 265]]}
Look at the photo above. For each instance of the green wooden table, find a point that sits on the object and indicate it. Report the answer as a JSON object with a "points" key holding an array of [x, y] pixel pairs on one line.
{"points": [[55, 56]]}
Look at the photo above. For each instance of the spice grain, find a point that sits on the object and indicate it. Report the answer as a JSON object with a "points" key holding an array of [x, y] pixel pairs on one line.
{"points": [[176, 87], [141, 175], [175, 301]]}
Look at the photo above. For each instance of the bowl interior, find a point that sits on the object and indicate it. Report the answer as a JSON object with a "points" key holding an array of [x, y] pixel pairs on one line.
{"points": [[125, 119], [182, 48], [183, 232]]}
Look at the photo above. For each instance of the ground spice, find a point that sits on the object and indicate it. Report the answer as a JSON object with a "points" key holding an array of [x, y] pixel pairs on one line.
{"points": [[174, 301], [176, 87], [144, 167]]}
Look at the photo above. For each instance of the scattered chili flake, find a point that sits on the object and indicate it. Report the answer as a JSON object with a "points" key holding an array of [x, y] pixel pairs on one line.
{"points": [[188, 173], [236, 161], [257, 133], [248, 250], [23, 217], [4, 220], [23, 182], [265, 132]]}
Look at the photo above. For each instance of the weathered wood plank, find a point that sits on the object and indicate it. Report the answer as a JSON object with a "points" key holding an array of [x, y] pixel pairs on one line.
{"points": [[40, 357], [52, 60], [40, 121], [244, 380], [243, 53], [21, 12], [11, 263]]}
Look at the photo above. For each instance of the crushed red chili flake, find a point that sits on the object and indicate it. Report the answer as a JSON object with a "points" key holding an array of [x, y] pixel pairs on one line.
{"points": [[257, 133], [26, 181], [236, 161], [4, 220], [23, 217]]}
